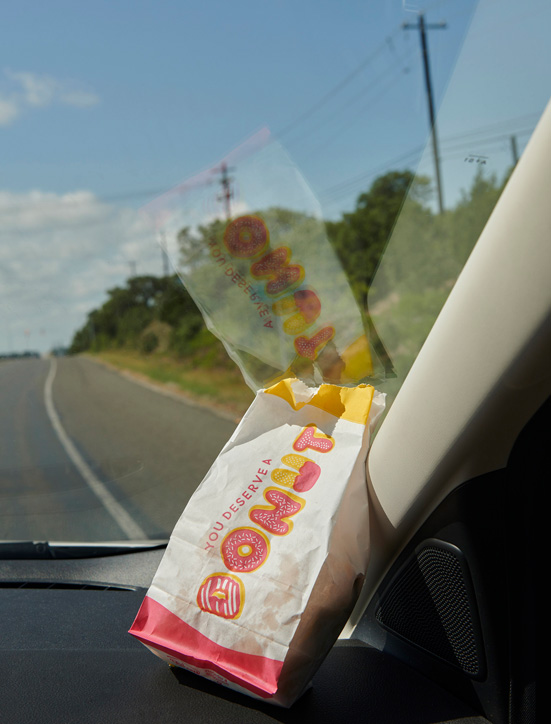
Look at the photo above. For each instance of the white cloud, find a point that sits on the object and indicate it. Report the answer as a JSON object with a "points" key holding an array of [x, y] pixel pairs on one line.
{"points": [[25, 90], [59, 254], [8, 111], [37, 90], [79, 98]]}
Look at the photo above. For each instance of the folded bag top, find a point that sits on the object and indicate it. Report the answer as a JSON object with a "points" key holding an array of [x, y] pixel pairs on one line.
{"points": [[348, 403]]}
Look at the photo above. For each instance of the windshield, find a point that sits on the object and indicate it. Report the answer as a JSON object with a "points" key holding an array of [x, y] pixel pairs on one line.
{"points": [[144, 146]]}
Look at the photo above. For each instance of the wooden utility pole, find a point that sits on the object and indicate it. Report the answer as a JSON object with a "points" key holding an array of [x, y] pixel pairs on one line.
{"points": [[227, 193], [514, 150], [422, 27], [164, 253]]}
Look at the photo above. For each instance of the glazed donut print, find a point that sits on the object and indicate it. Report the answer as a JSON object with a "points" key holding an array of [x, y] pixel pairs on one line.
{"points": [[244, 550], [246, 237], [222, 594], [274, 518]]}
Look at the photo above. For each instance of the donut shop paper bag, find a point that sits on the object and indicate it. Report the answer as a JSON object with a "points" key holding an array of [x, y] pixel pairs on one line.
{"points": [[267, 559]]}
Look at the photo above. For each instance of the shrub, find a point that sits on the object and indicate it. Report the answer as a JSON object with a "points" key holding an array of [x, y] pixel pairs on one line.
{"points": [[149, 343]]}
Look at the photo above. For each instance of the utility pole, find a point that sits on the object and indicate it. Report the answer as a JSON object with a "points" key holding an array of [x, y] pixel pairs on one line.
{"points": [[514, 150], [422, 28], [164, 253], [132, 265], [227, 193]]}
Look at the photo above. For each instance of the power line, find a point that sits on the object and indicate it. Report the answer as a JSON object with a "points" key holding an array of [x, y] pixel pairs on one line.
{"points": [[359, 96], [507, 125], [344, 187], [484, 142], [505, 143], [345, 126], [335, 89]]}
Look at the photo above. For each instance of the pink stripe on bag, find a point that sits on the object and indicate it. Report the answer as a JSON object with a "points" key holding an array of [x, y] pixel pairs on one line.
{"points": [[158, 627]]}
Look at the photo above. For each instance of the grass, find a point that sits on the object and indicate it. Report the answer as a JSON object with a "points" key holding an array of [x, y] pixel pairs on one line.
{"points": [[220, 388]]}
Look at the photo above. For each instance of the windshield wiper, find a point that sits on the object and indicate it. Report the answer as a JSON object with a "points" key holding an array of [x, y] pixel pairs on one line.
{"points": [[28, 549]]}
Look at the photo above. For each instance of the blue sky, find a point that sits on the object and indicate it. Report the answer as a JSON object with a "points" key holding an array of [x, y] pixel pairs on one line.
{"points": [[177, 85], [107, 102]]}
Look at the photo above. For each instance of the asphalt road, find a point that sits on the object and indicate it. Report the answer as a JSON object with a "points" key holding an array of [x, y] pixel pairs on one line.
{"points": [[87, 454]]}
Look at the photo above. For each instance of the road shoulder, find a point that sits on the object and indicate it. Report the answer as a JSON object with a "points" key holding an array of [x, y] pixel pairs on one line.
{"points": [[168, 389]]}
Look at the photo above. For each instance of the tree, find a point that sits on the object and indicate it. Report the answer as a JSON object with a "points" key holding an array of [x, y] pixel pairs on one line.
{"points": [[361, 236], [471, 214], [123, 317]]}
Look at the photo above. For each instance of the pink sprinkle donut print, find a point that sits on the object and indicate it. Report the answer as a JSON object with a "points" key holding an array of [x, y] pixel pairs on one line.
{"points": [[244, 550]]}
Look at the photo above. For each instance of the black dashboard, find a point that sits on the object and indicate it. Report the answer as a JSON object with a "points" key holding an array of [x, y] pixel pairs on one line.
{"points": [[66, 656]]}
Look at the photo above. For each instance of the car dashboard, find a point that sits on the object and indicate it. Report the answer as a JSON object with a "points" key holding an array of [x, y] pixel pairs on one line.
{"points": [[66, 656]]}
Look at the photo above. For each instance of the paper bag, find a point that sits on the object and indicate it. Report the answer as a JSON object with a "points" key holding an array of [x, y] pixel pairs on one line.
{"points": [[266, 562]]}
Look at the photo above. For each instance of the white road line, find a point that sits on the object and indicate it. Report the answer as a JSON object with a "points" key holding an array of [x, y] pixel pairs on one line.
{"points": [[117, 512]]}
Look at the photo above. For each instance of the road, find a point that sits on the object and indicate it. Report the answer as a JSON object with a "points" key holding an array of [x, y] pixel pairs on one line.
{"points": [[87, 454]]}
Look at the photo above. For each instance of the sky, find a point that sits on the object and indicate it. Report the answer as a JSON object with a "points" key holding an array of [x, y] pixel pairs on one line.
{"points": [[106, 105]]}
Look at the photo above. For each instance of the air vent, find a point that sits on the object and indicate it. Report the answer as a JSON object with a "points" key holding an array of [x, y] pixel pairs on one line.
{"points": [[430, 604]]}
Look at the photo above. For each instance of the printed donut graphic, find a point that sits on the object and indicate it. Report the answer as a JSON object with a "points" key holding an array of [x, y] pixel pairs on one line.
{"points": [[222, 594], [244, 550], [246, 237]]}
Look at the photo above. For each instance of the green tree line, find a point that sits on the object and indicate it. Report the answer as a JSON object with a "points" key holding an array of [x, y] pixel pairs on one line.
{"points": [[156, 314], [148, 314]]}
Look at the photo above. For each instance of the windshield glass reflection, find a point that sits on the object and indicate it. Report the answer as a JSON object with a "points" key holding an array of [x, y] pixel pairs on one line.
{"points": [[116, 394]]}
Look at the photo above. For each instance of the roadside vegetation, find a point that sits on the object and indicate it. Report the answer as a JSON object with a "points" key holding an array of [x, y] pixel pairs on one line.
{"points": [[152, 327]]}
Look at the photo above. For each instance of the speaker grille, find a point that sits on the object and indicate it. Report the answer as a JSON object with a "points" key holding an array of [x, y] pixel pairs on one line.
{"points": [[429, 604]]}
